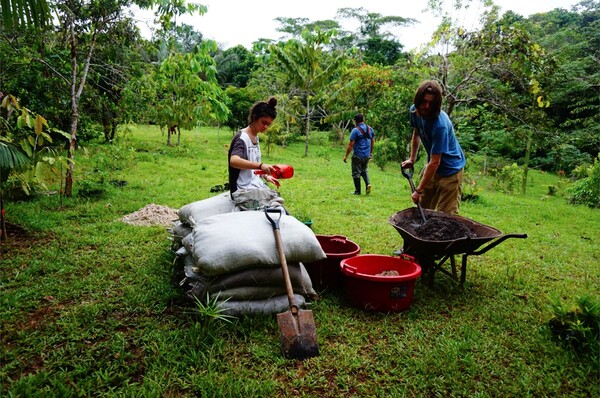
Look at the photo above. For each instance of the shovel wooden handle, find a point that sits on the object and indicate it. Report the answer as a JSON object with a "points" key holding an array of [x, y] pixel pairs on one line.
{"points": [[282, 260]]}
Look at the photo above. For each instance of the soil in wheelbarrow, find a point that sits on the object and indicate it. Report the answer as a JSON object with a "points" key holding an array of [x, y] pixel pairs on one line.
{"points": [[435, 228]]}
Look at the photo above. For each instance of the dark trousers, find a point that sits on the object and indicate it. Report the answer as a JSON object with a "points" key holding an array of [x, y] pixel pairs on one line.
{"points": [[359, 169]]}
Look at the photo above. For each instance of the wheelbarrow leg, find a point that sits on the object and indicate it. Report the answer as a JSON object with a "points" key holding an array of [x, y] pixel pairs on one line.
{"points": [[453, 264], [463, 270]]}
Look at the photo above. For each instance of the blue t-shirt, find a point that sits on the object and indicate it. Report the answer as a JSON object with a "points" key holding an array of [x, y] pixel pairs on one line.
{"points": [[437, 136], [362, 143]]}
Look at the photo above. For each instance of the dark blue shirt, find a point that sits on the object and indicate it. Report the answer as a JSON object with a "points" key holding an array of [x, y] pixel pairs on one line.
{"points": [[437, 136], [362, 142]]}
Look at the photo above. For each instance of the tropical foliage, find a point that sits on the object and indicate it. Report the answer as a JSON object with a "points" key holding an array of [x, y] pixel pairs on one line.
{"points": [[519, 90]]}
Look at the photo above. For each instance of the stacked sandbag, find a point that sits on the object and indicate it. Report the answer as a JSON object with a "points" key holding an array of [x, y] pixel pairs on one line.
{"points": [[230, 257]]}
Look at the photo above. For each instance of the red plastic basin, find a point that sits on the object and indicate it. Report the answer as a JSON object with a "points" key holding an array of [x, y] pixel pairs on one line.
{"points": [[326, 273], [367, 290]]}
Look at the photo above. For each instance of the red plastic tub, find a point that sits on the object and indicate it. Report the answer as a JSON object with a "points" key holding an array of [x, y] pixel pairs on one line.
{"points": [[326, 273], [367, 290]]}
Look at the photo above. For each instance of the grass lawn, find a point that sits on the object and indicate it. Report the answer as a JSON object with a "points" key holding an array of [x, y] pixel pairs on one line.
{"points": [[91, 306]]}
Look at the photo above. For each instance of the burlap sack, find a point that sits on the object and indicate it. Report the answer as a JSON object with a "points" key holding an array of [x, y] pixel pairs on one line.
{"points": [[196, 211], [261, 283], [231, 242], [273, 305]]}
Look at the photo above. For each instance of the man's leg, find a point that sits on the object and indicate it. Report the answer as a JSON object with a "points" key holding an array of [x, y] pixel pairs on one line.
{"points": [[429, 198], [450, 193], [365, 174], [356, 173]]}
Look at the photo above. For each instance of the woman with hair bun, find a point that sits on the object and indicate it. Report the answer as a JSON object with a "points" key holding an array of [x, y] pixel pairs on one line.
{"points": [[248, 189]]}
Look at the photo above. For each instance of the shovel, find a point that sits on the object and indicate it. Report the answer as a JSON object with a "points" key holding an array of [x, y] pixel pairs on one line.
{"points": [[296, 327], [408, 173]]}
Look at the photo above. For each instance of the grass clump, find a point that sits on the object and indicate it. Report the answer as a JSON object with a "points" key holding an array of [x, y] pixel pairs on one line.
{"points": [[577, 327]]}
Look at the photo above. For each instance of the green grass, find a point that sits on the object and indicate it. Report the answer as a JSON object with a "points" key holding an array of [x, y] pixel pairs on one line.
{"points": [[90, 306]]}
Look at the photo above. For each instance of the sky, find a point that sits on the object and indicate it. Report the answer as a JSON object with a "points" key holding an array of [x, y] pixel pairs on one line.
{"points": [[239, 22]]}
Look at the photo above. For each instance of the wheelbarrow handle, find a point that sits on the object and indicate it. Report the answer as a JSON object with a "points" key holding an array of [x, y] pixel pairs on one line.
{"points": [[497, 242]]}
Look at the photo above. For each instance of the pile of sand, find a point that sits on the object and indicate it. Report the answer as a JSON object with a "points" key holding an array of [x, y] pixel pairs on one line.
{"points": [[152, 215]]}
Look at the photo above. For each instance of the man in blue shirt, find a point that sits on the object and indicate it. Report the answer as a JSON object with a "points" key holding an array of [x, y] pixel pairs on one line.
{"points": [[362, 139], [440, 187]]}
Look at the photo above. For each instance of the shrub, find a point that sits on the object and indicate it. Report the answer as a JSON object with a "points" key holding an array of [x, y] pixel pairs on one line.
{"points": [[508, 179], [470, 188], [384, 152], [577, 327], [568, 157], [586, 191]]}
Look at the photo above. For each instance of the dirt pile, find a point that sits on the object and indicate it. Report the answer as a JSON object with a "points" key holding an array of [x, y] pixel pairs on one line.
{"points": [[436, 228], [152, 214]]}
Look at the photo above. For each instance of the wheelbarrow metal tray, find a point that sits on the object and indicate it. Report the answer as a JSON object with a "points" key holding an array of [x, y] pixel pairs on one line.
{"points": [[412, 243]]}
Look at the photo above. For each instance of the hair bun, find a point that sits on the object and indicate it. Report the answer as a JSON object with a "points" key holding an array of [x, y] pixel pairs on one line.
{"points": [[272, 102]]}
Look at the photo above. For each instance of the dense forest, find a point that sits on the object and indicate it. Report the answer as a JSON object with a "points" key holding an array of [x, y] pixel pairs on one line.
{"points": [[522, 92]]}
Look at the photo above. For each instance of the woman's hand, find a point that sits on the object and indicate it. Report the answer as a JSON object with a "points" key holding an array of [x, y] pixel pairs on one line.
{"points": [[267, 168], [272, 180]]}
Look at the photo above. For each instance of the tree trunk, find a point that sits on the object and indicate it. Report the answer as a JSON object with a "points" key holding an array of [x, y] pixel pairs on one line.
{"points": [[113, 130], [106, 128], [2, 222], [170, 132], [526, 161], [76, 90], [307, 128], [71, 153]]}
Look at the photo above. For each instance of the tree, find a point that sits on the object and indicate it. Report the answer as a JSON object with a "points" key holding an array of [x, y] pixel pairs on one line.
{"points": [[181, 38], [183, 91], [20, 13], [511, 74], [83, 24], [377, 46], [11, 157], [235, 66], [74, 16], [573, 38], [241, 101], [118, 59], [309, 69]]}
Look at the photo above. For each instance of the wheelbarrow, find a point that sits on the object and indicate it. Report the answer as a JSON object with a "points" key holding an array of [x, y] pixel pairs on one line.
{"points": [[432, 254]]}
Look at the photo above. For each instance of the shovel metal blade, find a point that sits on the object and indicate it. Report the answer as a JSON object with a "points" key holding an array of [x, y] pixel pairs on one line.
{"points": [[298, 335]]}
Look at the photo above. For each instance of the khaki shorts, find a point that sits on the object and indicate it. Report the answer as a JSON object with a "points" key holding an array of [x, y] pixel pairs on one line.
{"points": [[443, 193]]}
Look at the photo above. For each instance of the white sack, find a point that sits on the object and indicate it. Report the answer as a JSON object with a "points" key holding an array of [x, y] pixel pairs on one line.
{"points": [[273, 305], [180, 230], [258, 276], [197, 282], [234, 241], [196, 211], [261, 283]]}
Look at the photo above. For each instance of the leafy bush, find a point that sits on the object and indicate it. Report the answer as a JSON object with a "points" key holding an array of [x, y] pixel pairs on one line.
{"points": [[508, 179], [470, 188], [578, 327], [586, 191], [567, 157], [384, 152], [30, 132]]}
